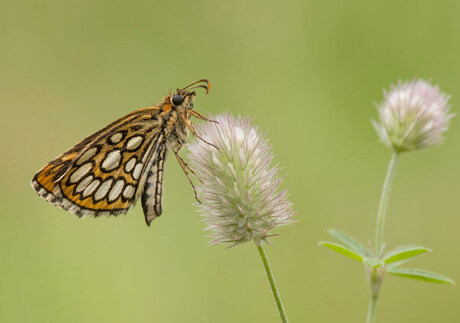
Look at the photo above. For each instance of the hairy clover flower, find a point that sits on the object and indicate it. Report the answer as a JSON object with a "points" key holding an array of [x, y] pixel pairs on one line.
{"points": [[239, 192], [413, 116]]}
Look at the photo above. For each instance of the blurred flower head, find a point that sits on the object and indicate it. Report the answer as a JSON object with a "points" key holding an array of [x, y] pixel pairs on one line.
{"points": [[240, 195], [413, 116]]}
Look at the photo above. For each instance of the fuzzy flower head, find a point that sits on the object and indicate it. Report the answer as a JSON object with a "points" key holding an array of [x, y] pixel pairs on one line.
{"points": [[240, 195], [413, 116]]}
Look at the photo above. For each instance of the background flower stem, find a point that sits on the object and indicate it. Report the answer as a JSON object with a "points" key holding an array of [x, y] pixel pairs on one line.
{"points": [[384, 202], [273, 287], [372, 307], [376, 275]]}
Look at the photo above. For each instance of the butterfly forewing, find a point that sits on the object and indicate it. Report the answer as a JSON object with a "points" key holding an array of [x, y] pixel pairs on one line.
{"points": [[105, 173]]}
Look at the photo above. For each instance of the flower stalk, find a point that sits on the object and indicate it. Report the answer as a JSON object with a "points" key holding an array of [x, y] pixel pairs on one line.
{"points": [[413, 116], [271, 280], [372, 308], [384, 203], [240, 194]]}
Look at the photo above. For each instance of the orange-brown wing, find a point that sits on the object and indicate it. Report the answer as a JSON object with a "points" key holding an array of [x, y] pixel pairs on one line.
{"points": [[105, 173]]}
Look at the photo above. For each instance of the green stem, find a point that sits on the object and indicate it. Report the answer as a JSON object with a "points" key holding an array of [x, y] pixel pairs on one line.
{"points": [[376, 276], [384, 202], [372, 308], [273, 287]]}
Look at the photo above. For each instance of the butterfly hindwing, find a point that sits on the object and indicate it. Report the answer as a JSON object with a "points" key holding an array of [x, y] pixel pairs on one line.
{"points": [[104, 173], [153, 188]]}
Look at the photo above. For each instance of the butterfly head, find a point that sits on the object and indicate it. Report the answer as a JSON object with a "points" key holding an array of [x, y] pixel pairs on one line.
{"points": [[183, 98]]}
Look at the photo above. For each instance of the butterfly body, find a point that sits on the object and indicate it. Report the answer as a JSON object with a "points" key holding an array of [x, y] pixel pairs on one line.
{"points": [[107, 172]]}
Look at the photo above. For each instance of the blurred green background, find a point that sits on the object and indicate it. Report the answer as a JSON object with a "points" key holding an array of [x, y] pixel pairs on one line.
{"points": [[310, 72]]}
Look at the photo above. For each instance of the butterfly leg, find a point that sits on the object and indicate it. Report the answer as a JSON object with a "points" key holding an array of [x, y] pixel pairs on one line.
{"points": [[185, 167], [183, 162], [190, 126], [198, 115]]}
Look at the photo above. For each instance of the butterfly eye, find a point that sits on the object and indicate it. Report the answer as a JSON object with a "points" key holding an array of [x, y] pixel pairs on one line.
{"points": [[177, 100]]}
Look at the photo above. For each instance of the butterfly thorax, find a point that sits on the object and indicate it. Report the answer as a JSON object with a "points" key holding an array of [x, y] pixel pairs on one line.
{"points": [[175, 119]]}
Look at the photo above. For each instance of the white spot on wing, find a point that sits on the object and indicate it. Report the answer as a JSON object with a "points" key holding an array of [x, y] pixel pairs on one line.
{"points": [[112, 160], [84, 183], [130, 164], [87, 155], [137, 171], [160, 176], [115, 139], [128, 192], [134, 143], [152, 180], [80, 172], [116, 190], [91, 187], [103, 189]]}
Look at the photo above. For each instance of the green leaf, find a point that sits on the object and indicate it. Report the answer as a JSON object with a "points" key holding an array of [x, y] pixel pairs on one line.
{"points": [[350, 242], [397, 263], [342, 249], [423, 275], [402, 253]]}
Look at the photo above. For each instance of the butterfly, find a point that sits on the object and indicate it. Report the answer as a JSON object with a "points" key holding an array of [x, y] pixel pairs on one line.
{"points": [[105, 173]]}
